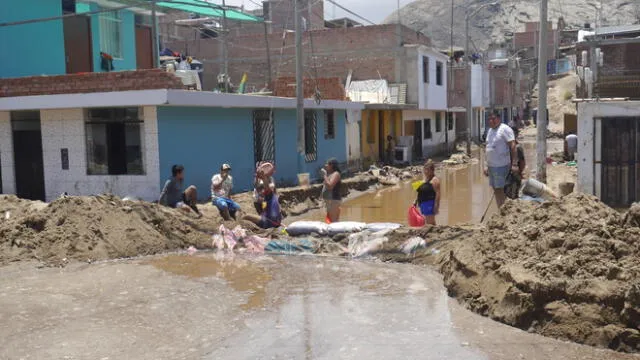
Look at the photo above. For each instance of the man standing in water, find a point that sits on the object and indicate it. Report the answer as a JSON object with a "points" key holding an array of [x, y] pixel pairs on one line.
{"points": [[501, 156]]}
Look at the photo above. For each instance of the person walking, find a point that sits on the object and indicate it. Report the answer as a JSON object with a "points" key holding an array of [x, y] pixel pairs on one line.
{"points": [[331, 182], [173, 196], [221, 186], [501, 156], [428, 200]]}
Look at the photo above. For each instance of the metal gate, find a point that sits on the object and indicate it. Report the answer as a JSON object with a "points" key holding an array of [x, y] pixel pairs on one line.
{"points": [[310, 136], [264, 148], [620, 161]]}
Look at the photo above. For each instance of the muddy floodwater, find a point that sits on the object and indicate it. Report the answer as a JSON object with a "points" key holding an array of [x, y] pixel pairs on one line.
{"points": [[219, 307], [215, 306]]}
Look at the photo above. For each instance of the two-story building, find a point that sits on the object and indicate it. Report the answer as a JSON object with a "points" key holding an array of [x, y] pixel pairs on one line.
{"points": [[480, 98], [69, 126]]}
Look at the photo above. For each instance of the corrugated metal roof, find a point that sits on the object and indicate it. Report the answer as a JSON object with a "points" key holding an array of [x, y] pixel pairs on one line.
{"points": [[620, 29]]}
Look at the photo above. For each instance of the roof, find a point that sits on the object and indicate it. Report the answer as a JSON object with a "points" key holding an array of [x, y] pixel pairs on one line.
{"points": [[620, 29], [390, 106], [166, 97], [208, 9]]}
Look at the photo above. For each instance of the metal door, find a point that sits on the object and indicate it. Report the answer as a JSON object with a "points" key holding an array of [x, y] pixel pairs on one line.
{"points": [[619, 161]]}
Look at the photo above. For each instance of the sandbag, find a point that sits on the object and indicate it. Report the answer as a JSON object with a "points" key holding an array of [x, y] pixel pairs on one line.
{"points": [[375, 227], [342, 227], [366, 243], [307, 227]]}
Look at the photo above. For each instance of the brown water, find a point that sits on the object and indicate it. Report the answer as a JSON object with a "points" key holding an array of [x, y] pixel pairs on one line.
{"points": [[465, 196]]}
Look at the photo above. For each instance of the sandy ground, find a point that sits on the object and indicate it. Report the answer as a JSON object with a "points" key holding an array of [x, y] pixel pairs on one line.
{"points": [[559, 100]]}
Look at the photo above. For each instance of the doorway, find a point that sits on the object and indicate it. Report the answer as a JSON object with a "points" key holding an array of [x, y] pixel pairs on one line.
{"points": [[77, 44], [144, 47], [27, 153], [417, 140]]}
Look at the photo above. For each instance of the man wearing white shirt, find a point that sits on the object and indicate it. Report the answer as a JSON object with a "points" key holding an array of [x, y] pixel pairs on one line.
{"points": [[501, 156]]}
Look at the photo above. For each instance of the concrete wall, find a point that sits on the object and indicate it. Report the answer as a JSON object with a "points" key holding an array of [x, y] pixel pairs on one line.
{"points": [[590, 139], [6, 154], [436, 144], [202, 139], [66, 129], [431, 95], [36, 48]]}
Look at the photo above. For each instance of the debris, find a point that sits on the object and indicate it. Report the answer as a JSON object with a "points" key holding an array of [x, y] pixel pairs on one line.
{"points": [[191, 250], [412, 245]]}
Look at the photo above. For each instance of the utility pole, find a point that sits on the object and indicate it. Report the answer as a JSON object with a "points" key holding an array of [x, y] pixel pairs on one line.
{"points": [[225, 49], [541, 173], [468, 63], [266, 41], [450, 86], [299, 86], [154, 35]]}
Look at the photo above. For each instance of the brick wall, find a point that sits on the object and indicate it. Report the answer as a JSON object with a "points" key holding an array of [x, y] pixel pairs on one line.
{"points": [[459, 88], [89, 82], [369, 51], [330, 88], [522, 40]]}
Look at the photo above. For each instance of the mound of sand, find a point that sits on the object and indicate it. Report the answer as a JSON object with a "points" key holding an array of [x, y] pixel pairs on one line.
{"points": [[94, 228], [566, 269]]}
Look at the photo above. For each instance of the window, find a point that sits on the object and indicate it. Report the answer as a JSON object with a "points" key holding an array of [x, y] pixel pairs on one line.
{"points": [[450, 121], [439, 73], [68, 6], [329, 124], [425, 69], [438, 122], [310, 136], [263, 136], [114, 142], [427, 128], [110, 33]]}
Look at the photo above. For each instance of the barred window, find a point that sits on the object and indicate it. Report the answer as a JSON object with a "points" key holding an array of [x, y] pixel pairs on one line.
{"points": [[329, 124], [111, 33]]}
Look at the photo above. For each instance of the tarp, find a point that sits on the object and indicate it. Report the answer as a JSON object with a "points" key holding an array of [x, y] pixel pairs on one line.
{"points": [[207, 9], [372, 91]]}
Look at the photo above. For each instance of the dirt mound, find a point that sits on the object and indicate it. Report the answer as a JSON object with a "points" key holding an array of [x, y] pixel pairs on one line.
{"points": [[566, 269], [94, 228]]}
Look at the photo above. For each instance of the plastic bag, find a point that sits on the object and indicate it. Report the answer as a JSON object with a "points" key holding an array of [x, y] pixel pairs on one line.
{"points": [[228, 236], [415, 219], [218, 242], [255, 244], [375, 227], [307, 227], [366, 243], [412, 245], [345, 227]]}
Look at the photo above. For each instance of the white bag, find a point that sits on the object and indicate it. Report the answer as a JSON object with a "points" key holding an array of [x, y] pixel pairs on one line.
{"points": [[375, 227], [345, 227], [307, 227]]}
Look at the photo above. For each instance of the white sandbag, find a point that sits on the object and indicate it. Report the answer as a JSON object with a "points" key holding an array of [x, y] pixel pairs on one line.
{"points": [[375, 227], [307, 227], [365, 243], [412, 245], [342, 227]]}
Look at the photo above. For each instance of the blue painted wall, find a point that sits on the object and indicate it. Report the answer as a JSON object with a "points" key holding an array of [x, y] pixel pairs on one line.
{"points": [[128, 60], [286, 144], [202, 139], [32, 49]]}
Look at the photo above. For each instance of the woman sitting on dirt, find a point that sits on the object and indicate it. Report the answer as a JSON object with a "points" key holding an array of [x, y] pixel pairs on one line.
{"points": [[428, 200], [265, 198]]}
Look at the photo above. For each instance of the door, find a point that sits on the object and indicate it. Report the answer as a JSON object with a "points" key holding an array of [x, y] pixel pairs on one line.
{"points": [[417, 140], [27, 150], [619, 161], [77, 44], [144, 48], [381, 137]]}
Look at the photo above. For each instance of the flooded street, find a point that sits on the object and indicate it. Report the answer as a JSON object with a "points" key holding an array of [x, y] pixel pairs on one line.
{"points": [[211, 307]]}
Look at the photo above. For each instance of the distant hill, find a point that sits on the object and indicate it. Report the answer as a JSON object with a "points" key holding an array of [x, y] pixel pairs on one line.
{"points": [[433, 17]]}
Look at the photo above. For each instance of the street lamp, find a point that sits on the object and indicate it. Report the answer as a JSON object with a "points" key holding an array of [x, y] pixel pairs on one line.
{"points": [[470, 88]]}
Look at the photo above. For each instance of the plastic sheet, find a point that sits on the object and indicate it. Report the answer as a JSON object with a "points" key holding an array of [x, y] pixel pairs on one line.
{"points": [[289, 246], [366, 243], [412, 245]]}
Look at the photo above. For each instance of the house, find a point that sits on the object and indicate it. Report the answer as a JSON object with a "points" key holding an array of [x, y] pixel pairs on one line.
{"points": [[73, 44], [608, 136], [121, 136], [480, 98], [425, 74]]}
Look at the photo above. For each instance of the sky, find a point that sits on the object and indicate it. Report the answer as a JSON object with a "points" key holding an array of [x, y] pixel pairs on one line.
{"points": [[373, 10]]}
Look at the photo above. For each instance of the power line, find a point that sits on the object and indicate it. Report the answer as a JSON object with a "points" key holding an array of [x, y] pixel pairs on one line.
{"points": [[351, 12]]}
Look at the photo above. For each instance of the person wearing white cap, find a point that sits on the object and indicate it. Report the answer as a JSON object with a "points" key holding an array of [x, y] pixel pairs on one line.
{"points": [[221, 186]]}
